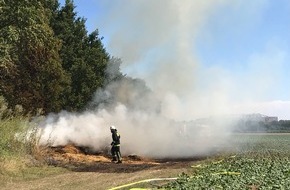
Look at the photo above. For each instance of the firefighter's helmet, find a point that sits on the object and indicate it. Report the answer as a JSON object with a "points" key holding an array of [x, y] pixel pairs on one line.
{"points": [[112, 127]]}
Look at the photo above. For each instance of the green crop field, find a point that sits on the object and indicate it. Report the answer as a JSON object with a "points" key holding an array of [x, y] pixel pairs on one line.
{"points": [[256, 161]]}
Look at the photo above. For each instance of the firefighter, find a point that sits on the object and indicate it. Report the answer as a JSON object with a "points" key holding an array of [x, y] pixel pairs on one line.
{"points": [[115, 150]]}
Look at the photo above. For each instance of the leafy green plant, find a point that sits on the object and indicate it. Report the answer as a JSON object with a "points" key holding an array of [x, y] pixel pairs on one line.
{"points": [[262, 163]]}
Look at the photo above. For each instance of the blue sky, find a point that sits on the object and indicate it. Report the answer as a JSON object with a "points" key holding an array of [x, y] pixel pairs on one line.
{"points": [[239, 48]]}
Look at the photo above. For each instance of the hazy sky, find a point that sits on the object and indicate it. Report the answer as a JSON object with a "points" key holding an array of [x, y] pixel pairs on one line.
{"points": [[222, 55]]}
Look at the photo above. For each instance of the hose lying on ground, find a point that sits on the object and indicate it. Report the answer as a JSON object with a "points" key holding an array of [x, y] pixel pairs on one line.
{"points": [[143, 181]]}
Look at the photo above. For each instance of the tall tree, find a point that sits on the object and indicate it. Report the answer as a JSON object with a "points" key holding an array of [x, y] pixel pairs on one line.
{"points": [[83, 55], [30, 66]]}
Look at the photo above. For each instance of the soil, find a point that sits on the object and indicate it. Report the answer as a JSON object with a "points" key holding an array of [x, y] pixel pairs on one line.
{"points": [[87, 170]]}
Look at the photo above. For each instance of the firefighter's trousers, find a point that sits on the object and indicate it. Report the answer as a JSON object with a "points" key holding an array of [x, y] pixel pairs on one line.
{"points": [[116, 153]]}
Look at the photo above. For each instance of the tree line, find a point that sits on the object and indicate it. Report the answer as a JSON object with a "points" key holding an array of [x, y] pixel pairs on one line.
{"points": [[48, 60], [260, 126]]}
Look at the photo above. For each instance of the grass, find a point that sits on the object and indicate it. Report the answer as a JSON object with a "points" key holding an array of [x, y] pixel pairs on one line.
{"points": [[11, 143], [20, 157]]}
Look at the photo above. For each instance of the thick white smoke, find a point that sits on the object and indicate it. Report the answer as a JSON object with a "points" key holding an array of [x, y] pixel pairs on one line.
{"points": [[136, 112], [155, 40]]}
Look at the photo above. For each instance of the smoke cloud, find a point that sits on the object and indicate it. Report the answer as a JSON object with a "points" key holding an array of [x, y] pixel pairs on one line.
{"points": [[158, 116], [136, 112]]}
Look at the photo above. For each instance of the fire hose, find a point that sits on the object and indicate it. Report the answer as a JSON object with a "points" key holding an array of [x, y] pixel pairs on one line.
{"points": [[174, 178], [143, 181]]}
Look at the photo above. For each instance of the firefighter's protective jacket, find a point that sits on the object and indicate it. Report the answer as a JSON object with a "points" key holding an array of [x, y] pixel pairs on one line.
{"points": [[116, 138]]}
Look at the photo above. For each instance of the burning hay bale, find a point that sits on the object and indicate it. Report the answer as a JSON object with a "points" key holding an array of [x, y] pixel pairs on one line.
{"points": [[75, 155], [66, 149], [134, 157], [71, 154]]}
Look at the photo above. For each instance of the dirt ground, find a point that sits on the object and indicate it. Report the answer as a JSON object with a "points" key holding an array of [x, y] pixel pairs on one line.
{"points": [[96, 171]]}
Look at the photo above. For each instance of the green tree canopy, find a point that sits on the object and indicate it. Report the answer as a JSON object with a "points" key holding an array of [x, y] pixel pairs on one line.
{"points": [[30, 66], [84, 57], [47, 58]]}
